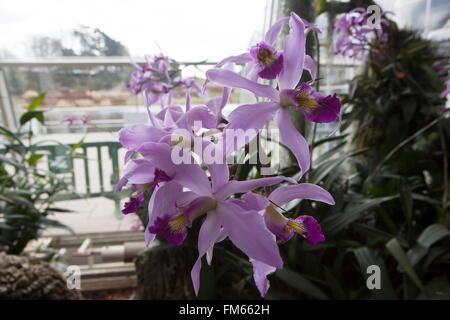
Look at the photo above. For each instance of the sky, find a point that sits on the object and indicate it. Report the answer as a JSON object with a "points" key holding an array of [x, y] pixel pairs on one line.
{"points": [[185, 30]]}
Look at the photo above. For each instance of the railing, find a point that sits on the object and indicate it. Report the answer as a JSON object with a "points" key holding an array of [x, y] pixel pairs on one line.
{"points": [[72, 174]]}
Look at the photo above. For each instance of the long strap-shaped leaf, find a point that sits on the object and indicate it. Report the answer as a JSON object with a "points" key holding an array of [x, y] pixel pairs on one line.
{"points": [[399, 254], [432, 234]]}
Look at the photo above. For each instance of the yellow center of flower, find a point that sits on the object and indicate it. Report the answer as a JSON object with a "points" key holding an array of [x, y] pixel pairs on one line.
{"points": [[296, 226], [305, 101], [265, 56], [178, 223], [135, 195]]}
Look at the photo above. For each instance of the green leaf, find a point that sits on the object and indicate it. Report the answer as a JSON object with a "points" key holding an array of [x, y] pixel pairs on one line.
{"points": [[79, 144], [329, 154], [9, 134], [406, 201], [399, 254], [34, 158], [299, 282], [55, 224], [432, 234], [36, 102], [10, 161], [5, 226], [327, 166], [29, 115], [329, 139], [21, 201], [335, 223], [58, 210]]}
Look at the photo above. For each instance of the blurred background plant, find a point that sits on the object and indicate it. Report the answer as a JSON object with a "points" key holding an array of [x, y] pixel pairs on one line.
{"points": [[27, 189]]}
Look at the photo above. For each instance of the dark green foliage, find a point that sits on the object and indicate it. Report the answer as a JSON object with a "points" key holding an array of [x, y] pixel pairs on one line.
{"points": [[390, 184], [26, 190]]}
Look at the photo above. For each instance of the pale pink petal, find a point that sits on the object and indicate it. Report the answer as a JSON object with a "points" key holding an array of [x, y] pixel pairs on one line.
{"points": [[293, 140], [294, 54]]}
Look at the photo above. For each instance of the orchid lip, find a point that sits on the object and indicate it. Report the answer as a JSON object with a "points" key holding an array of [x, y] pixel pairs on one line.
{"points": [[270, 62], [173, 227], [295, 226]]}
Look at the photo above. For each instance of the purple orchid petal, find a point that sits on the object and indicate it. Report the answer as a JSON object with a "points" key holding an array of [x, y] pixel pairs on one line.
{"points": [[143, 172], [133, 204], [312, 230], [230, 79], [242, 58], [163, 200], [260, 273], [168, 120], [136, 172], [252, 116], [217, 104], [160, 176], [272, 70], [214, 104], [251, 71], [309, 191], [195, 116], [328, 109], [176, 111], [219, 175], [294, 54], [274, 31], [234, 139], [189, 175], [220, 237], [132, 138], [248, 232], [251, 201], [270, 62], [128, 155], [207, 236], [161, 227], [293, 140], [311, 66], [235, 186]]}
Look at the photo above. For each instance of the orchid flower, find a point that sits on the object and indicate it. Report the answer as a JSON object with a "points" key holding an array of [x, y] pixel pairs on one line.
{"points": [[304, 225], [165, 125], [74, 120], [268, 207], [315, 106], [141, 175], [172, 210], [158, 78], [184, 192], [352, 34], [263, 60]]}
